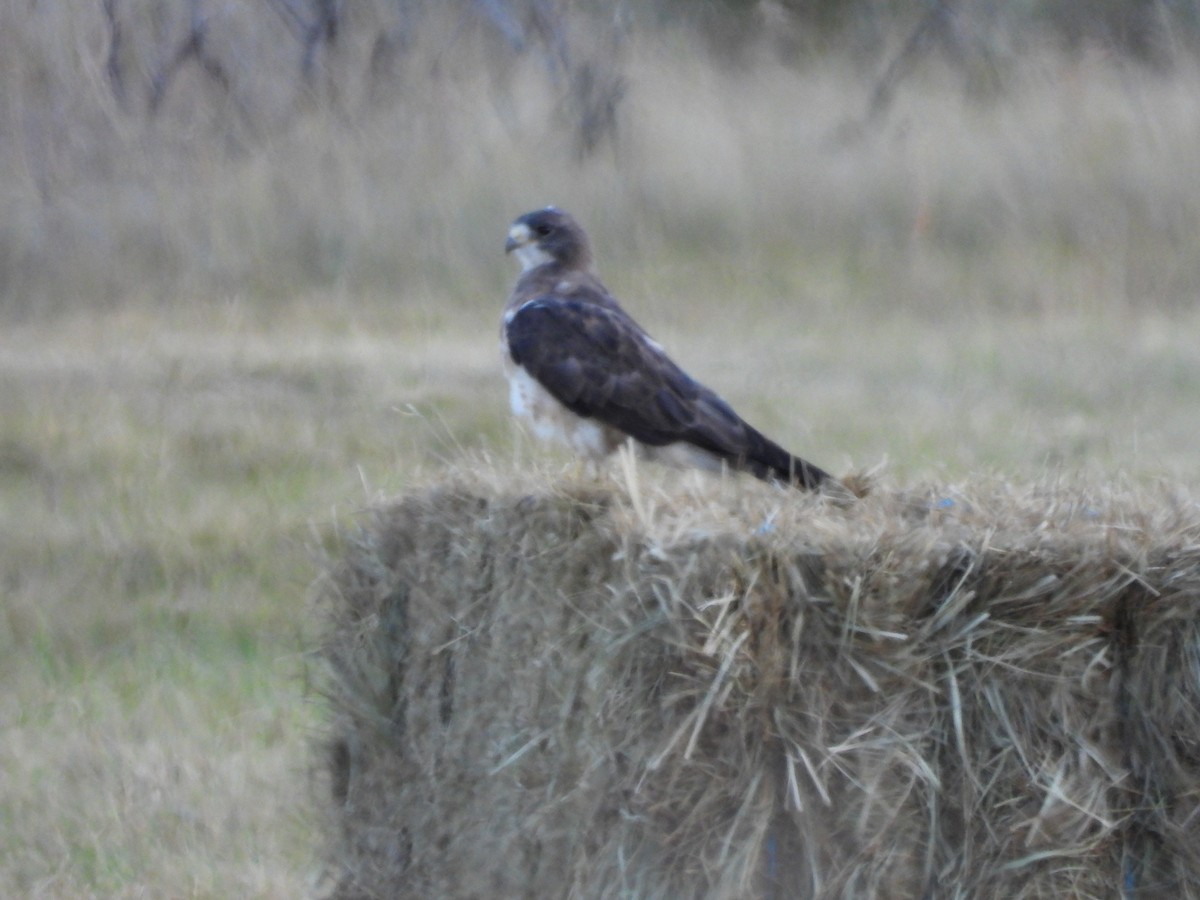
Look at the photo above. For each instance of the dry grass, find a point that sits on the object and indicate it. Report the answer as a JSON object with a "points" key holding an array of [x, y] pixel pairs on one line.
{"points": [[163, 470], [217, 345], [731, 690]]}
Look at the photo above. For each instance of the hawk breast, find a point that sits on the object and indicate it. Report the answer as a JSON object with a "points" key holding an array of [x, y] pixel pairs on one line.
{"points": [[553, 422]]}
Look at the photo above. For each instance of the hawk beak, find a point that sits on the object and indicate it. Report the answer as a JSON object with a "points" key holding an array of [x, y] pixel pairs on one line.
{"points": [[518, 236]]}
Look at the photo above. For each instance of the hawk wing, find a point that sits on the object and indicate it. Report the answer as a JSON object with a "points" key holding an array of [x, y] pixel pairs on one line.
{"points": [[599, 364]]}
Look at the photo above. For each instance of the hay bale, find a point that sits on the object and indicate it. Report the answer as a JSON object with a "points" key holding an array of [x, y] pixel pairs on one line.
{"points": [[735, 691]]}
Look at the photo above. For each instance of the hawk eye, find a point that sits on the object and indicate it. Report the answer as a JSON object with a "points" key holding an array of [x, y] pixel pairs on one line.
{"points": [[541, 230]]}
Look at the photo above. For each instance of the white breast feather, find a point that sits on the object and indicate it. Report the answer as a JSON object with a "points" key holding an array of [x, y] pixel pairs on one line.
{"points": [[550, 420]]}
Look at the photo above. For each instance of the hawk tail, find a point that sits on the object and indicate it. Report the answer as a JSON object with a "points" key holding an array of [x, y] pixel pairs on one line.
{"points": [[765, 459]]}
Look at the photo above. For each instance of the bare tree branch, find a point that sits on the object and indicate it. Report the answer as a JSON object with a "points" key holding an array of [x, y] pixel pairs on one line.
{"points": [[595, 95], [312, 29], [502, 18], [291, 17], [570, 48], [192, 46], [934, 21], [322, 29], [112, 66], [547, 22]]}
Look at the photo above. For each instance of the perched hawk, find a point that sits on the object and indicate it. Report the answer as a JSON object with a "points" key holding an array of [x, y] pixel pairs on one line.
{"points": [[584, 373]]}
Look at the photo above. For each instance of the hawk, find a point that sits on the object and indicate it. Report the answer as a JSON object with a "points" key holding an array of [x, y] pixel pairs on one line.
{"points": [[584, 373]]}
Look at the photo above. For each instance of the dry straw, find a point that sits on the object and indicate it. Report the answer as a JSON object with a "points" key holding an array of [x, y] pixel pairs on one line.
{"points": [[716, 688]]}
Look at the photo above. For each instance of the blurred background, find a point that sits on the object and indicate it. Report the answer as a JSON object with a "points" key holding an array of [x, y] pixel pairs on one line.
{"points": [[251, 270], [153, 149]]}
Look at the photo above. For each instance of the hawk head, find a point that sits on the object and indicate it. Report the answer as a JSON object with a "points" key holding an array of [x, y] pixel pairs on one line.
{"points": [[548, 235]]}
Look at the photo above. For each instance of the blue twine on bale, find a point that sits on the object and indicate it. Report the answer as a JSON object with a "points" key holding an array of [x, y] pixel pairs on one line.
{"points": [[772, 866]]}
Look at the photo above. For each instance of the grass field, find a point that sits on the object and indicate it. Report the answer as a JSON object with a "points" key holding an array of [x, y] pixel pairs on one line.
{"points": [[1005, 288], [166, 478]]}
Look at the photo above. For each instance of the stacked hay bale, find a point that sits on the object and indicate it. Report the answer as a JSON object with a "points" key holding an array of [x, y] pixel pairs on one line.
{"points": [[735, 691]]}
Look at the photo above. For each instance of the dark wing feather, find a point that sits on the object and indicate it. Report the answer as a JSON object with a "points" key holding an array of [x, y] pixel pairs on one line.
{"points": [[598, 363]]}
